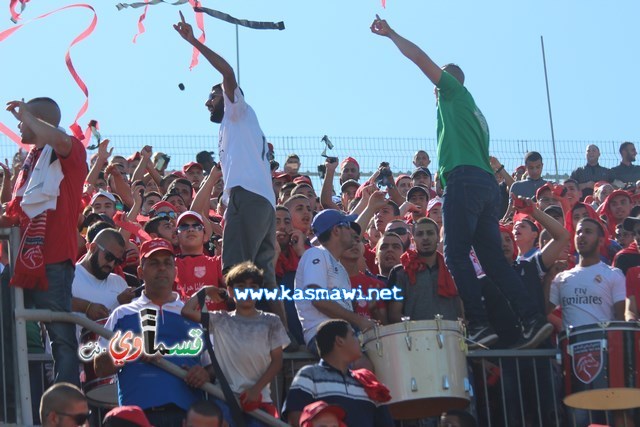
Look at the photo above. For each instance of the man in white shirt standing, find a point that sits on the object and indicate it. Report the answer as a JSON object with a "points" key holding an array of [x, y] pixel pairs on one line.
{"points": [[592, 291], [589, 293], [96, 289], [250, 219], [320, 268]]}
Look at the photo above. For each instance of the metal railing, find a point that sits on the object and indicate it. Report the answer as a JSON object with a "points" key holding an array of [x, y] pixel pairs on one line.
{"points": [[51, 316], [511, 387]]}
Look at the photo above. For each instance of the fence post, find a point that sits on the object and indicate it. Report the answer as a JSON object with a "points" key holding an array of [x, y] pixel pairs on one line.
{"points": [[23, 402]]}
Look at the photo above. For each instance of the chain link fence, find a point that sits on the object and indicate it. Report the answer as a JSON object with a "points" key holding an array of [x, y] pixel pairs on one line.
{"points": [[368, 151]]}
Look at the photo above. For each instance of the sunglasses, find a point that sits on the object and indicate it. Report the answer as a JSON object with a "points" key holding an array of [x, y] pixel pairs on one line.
{"points": [[185, 227], [110, 257], [78, 419], [170, 214], [400, 231]]}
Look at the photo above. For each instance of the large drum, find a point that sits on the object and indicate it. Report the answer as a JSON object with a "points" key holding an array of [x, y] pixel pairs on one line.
{"points": [[101, 392], [423, 363], [600, 364]]}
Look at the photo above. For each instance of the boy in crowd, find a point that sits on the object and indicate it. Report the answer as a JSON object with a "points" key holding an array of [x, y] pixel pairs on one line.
{"points": [[249, 343]]}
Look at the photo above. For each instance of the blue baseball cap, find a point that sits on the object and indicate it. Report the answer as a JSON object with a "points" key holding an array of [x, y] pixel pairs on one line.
{"points": [[328, 218]]}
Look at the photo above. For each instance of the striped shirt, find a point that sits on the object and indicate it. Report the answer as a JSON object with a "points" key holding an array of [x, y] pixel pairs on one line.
{"points": [[324, 382]]}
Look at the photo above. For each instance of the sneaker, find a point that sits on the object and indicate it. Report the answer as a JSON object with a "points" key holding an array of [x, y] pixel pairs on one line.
{"points": [[534, 331], [481, 335]]}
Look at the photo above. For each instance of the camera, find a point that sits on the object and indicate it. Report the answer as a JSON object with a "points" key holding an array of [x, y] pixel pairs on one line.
{"points": [[162, 161], [385, 178], [322, 171]]}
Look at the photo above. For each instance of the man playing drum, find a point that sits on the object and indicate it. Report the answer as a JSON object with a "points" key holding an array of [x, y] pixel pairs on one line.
{"points": [[320, 267], [424, 280], [592, 292]]}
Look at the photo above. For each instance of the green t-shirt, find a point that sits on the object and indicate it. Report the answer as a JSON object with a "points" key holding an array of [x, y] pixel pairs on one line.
{"points": [[463, 133]]}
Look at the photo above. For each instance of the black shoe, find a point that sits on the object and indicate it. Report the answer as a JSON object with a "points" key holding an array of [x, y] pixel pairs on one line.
{"points": [[534, 331], [481, 335]]}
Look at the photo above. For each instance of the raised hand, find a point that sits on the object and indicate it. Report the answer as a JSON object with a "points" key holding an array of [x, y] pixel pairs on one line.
{"points": [[185, 30], [103, 146], [331, 166], [377, 200], [17, 108], [380, 27], [146, 152], [6, 172]]}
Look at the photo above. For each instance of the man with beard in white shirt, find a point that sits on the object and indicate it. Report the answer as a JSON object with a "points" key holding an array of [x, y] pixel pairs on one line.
{"points": [[96, 289], [592, 291], [589, 293]]}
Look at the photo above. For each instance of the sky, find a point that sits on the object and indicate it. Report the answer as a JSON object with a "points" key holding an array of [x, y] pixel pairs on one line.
{"points": [[326, 73]]}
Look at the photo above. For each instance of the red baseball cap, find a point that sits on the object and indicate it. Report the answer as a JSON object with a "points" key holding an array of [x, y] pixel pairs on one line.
{"points": [[314, 409], [133, 414], [403, 176], [163, 204], [190, 214], [349, 160], [154, 245], [546, 186], [134, 156], [303, 179], [281, 175], [190, 165]]}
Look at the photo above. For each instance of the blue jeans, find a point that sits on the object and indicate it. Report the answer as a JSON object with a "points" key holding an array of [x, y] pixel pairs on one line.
{"points": [[470, 218], [64, 345]]}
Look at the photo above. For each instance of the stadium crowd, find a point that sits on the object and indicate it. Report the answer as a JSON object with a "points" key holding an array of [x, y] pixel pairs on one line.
{"points": [[519, 258]]}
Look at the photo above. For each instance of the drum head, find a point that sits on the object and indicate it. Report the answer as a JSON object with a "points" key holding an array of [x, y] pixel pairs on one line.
{"points": [[102, 392], [424, 408], [605, 399]]}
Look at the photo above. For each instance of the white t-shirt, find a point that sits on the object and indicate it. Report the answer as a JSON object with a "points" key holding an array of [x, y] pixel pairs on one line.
{"points": [[318, 267], [587, 294], [243, 346], [243, 150], [90, 288]]}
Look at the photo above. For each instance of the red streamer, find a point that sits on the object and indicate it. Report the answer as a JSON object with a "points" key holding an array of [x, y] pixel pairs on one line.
{"points": [[75, 128], [14, 137], [202, 38], [15, 16], [141, 28]]}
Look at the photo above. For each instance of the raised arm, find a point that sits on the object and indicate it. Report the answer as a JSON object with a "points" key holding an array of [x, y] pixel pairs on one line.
{"points": [[219, 63], [560, 236], [327, 187], [57, 139], [103, 156], [408, 49]]}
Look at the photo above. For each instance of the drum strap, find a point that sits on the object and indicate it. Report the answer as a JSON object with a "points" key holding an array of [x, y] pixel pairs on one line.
{"points": [[236, 412]]}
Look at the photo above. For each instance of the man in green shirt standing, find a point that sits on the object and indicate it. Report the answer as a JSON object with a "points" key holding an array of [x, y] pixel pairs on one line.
{"points": [[471, 199]]}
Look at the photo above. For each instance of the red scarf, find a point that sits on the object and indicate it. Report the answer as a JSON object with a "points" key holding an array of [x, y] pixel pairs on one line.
{"points": [[412, 265], [376, 391], [287, 261], [605, 210], [30, 272]]}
